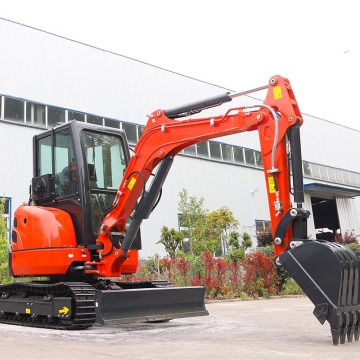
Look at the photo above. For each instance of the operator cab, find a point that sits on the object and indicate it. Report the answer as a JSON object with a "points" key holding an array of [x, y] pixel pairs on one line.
{"points": [[78, 168]]}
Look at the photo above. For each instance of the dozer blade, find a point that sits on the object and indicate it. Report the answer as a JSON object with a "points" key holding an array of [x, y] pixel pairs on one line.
{"points": [[328, 273], [149, 304]]}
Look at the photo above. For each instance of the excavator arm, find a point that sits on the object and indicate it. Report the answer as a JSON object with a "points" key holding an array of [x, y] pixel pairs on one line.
{"points": [[164, 137]]}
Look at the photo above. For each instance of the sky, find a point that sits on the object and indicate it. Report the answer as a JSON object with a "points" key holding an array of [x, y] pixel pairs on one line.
{"points": [[236, 44]]}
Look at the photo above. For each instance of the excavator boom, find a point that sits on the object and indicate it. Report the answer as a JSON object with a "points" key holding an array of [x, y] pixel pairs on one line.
{"points": [[165, 137]]}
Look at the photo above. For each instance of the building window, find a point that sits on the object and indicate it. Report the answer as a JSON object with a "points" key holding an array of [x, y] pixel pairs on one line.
{"points": [[339, 177], [74, 115], [35, 114], [14, 110], [91, 119], [190, 150], [215, 150], [203, 149], [315, 171], [112, 123], [346, 177], [307, 168], [353, 178], [263, 232], [250, 157], [262, 225], [140, 129], [258, 158], [239, 155], [331, 174], [56, 116], [131, 132], [227, 152], [323, 172]]}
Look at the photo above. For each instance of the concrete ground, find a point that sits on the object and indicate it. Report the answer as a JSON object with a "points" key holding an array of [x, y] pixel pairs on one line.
{"points": [[281, 328]]}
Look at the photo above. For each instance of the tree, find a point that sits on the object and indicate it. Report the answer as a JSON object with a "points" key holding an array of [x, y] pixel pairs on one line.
{"points": [[5, 278], [221, 223], [193, 217], [206, 231], [3, 227], [246, 240], [172, 240], [236, 249]]}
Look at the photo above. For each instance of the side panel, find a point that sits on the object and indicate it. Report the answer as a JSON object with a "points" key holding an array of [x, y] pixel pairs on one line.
{"points": [[45, 262], [39, 227], [43, 242]]}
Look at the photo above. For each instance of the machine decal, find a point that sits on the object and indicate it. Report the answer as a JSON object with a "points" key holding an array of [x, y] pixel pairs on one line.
{"points": [[64, 310], [277, 92], [131, 183], [271, 184]]}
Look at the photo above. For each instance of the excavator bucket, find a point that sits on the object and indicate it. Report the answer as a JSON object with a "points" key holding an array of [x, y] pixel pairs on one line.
{"points": [[148, 302], [328, 273]]}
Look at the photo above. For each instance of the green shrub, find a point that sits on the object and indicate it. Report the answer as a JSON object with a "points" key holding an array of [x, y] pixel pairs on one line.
{"points": [[290, 287], [355, 247], [267, 250], [5, 278]]}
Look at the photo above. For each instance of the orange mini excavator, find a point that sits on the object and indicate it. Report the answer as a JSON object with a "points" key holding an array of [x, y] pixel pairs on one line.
{"points": [[88, 199]]}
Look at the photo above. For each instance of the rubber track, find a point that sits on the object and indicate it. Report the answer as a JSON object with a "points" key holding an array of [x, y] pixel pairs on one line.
{"points": [[83, 296]]}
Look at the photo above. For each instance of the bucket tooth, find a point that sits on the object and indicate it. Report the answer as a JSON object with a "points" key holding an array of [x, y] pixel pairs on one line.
{"points": [[335, 336], [343, 331], [350, 333], [345, 326], [356, 325], [328, 273], [356, 333]]}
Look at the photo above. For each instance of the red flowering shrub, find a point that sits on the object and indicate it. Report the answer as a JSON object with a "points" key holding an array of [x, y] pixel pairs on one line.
{"points": [[235, 281], [259, 275], [182, 270], [347, 238], [255, 276]]}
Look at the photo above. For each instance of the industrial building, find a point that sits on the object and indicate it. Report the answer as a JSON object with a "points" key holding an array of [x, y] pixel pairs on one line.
{"points": [[47, 79]]}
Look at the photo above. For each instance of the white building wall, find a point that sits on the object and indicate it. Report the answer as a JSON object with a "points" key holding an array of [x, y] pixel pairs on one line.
{"points": [[330, 144], [349, 215]]}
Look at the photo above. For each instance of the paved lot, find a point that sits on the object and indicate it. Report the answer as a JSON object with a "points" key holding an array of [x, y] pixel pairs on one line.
{"points": [[258, 329]]}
